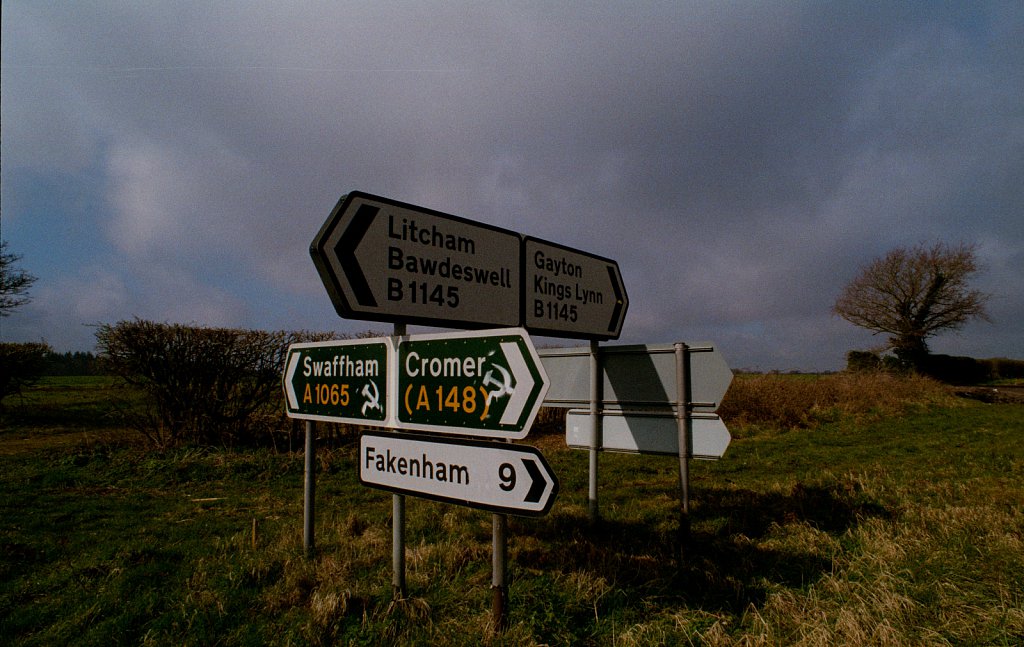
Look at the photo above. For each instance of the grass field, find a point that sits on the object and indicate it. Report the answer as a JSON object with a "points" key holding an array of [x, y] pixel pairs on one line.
{"points": [[870, 525]]}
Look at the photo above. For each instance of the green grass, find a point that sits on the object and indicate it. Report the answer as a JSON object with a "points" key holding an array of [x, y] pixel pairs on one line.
{"points": [[890, 530], [65, 412]]}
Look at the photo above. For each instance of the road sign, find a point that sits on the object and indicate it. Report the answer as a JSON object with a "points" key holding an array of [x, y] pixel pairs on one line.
{"points": [[338, 381], [569, 293], [645, 432], [384, 260], [636, 376], [486, 383], [500, 477]]}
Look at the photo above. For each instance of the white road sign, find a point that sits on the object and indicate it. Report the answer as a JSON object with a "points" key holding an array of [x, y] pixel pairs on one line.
{"points": [[384, 260], [569, 293], [500, 477], [635, 376], [641, 432]]}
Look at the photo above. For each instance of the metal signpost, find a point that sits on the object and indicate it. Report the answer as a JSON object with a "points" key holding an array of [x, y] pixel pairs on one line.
{"points": [[483, 383], [334, 381], [652, 399], [500, 477], [488, 383], [384, 260]]}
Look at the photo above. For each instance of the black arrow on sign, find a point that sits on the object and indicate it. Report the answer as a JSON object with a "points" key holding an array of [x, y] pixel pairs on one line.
{"points": [[538, 484], [617, 310], [346, 252]]}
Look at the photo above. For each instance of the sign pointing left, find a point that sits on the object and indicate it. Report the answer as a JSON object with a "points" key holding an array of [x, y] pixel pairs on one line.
{"points": [[385, 260], [338, 381]]}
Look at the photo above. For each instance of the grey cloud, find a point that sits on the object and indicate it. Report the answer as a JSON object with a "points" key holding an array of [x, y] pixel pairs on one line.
{"points": [[739, 161]]}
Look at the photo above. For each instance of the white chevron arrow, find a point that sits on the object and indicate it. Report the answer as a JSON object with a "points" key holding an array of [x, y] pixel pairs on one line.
{"points": [[289, 388], [520, 397]]}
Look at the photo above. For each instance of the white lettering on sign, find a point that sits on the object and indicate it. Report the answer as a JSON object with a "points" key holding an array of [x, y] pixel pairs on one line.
{"points": [[421, 468], [443, 366], [340, 366]]}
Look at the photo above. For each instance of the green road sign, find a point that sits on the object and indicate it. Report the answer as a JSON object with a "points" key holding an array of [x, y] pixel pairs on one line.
{"points": [[338, 381], [486, 383]]}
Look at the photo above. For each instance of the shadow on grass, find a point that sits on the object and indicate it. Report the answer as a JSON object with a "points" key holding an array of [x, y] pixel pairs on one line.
{"points": [[730, 558]]}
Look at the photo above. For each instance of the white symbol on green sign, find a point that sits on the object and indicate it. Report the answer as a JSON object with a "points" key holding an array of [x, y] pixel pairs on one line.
{"points": [[488, 381]]}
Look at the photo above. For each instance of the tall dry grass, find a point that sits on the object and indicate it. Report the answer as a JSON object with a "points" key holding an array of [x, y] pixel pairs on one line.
{"points": [[801, 401], [930, 574], [757, 401]]}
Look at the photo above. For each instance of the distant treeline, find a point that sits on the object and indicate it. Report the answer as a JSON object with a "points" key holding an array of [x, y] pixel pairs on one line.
{"points": [[950, 369], [968, 370], [77, 363]]}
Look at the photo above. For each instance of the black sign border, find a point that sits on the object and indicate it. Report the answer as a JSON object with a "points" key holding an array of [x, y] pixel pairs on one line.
{"points": [[455, 440], [333, 283], [605, 336]]}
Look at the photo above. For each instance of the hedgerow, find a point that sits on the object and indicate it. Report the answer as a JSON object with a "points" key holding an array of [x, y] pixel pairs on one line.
{"points": [[21, 365], [204, 386]]}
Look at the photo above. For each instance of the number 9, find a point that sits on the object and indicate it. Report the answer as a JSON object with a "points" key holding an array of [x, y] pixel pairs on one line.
{"points": [[507, 474]]}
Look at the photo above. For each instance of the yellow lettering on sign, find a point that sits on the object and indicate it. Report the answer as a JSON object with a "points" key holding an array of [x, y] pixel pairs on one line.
{"points": [[469, 399], [422, 402], [307, 397]]}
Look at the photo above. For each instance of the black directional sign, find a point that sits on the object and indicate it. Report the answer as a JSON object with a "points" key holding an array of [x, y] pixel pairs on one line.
{"points": [[569, 293], [500, 477], [384, 260]]}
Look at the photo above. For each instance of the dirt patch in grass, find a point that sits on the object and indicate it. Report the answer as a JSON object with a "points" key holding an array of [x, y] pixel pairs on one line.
{"points": [[992, 394]]}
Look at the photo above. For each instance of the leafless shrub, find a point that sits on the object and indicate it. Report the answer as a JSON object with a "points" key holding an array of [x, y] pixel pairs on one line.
{"points": [[203, 385]]}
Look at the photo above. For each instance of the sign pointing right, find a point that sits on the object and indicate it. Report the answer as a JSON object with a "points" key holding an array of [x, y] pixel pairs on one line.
{"points": [[500, 477], [482, 383], [569, 293], [646, 432]]}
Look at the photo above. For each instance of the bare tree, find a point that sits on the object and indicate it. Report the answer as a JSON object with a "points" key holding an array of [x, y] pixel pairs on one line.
{"points": [[912, 294], [14, 282]]}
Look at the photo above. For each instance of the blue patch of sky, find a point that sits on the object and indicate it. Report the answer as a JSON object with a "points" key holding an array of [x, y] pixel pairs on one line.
{"points": [[55, 220]]}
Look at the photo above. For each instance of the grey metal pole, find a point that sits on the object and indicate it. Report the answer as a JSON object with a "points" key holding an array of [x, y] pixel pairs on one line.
{"points": [[398, 545], [398, 526], [683, 430], [309, 498], [499, 590], [595, 431]]}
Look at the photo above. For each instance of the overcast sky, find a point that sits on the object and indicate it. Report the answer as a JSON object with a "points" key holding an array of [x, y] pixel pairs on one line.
{"points": [[739, 160]]}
